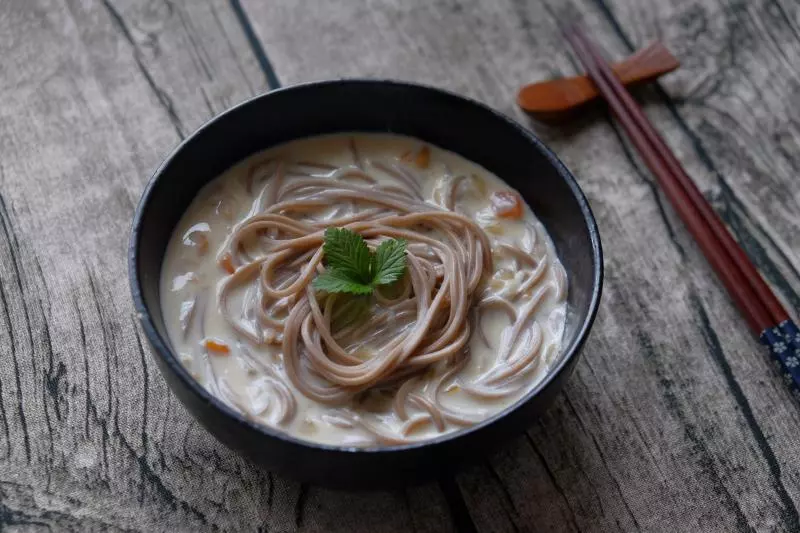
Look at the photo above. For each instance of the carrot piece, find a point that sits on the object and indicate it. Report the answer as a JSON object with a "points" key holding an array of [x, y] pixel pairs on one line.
{"points": [[507, 204], [216, 346], [202, 244], [423, 159], [227, 264]]}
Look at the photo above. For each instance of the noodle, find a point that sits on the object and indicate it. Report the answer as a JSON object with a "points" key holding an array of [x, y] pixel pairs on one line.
{"points": [[415, 346]]}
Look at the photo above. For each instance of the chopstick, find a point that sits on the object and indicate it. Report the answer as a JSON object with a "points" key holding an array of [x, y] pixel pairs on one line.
{"points": [[756, 301]]}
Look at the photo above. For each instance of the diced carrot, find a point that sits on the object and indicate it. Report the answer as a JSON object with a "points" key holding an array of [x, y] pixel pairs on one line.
{"points": [[202, 244], [423, 157], [227, 264], [507, 204], [216, 346]]}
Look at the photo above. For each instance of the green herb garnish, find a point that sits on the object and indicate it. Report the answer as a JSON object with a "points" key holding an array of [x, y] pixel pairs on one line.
{"points": [[353, 268]]}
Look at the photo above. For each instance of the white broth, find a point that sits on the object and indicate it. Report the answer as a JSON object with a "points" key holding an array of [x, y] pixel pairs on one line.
{"points": [[463, 334]]}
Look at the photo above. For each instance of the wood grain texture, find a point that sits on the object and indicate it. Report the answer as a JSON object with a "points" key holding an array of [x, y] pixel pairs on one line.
{"points": [[674, 419]]}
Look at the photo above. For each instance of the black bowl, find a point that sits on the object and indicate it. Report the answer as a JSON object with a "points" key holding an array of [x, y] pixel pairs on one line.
{"points": [[441, 118]]}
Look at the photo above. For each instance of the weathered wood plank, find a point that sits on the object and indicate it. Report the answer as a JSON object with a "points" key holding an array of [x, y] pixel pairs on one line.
{"points": [[672, 419], [735, 115], [86, 412]]}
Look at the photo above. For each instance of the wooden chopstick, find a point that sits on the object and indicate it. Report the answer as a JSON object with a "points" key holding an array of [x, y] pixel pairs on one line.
{"points": [[767, 297], [737, 285], [752, 295]]}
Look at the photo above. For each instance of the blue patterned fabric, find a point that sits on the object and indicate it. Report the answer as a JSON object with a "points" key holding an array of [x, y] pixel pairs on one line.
{"points": [[784, 347]]}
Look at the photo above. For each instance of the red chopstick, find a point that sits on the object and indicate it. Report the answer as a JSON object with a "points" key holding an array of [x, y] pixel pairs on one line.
{"points": [[756, 301], [776, 310], [751, 294]]}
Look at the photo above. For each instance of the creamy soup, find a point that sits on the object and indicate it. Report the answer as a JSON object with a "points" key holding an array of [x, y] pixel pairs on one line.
{"points": [[460, 307]]}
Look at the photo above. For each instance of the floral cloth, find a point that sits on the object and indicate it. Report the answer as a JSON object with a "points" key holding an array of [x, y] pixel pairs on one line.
{"points": [[784, 345]]}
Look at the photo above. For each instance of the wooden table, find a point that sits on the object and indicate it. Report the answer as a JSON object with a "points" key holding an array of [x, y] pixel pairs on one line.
{"points": [[674, 419]]}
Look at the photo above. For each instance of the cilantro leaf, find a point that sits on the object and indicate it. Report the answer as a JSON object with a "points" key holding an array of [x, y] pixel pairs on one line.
{"points": [[336, 280], [347, 252], [389, 262]]}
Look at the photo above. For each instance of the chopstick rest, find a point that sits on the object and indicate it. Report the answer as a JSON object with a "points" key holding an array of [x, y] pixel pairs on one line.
{"points": [[557, 100]]}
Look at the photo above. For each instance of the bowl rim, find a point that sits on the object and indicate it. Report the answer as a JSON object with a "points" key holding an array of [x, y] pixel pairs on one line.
{"points": [[162, 347]]}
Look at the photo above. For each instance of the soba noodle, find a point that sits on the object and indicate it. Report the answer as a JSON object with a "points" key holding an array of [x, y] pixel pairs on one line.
{"points": [[469, 328]]}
